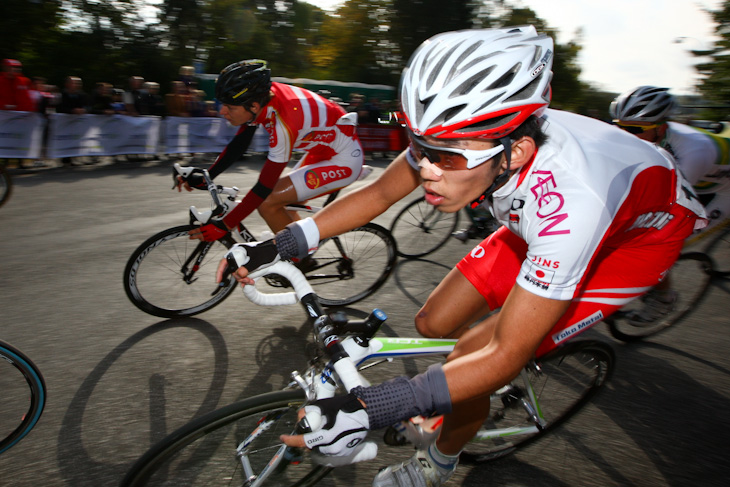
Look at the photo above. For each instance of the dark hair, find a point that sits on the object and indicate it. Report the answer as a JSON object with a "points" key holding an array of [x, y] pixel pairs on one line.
{"points": [[532, 127]]}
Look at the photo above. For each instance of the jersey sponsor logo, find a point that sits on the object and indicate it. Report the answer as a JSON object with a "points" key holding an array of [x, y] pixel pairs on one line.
{"points": [[319, 176], [539, 277], [477, 252], [658, 220], [326, 136], [549, 202], [568, 332], [514, 218], [270, 127], [546, 262]]}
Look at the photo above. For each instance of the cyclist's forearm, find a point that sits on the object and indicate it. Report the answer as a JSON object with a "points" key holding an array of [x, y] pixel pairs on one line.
{"points": [[233, 151]]}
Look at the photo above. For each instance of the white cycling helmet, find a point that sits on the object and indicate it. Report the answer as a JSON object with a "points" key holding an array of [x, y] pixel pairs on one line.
{"points": [[477, 83], [643, 104]]}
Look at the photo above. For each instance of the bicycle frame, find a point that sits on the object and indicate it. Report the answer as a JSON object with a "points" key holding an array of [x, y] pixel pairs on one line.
{"points": [[321, 382]]}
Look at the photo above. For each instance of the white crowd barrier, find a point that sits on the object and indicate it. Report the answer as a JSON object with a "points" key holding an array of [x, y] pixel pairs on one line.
{"points": [[22, 135]]}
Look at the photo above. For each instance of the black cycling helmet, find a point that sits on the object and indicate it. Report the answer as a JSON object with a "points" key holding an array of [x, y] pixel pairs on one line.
{"points": [[243, 83]]}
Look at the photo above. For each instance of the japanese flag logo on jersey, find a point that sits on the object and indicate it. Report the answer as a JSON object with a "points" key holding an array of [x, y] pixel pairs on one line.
{"points": [[539, 277]]}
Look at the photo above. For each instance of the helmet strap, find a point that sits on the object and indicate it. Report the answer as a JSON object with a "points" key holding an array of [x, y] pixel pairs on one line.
{"points": [[501, 178]]}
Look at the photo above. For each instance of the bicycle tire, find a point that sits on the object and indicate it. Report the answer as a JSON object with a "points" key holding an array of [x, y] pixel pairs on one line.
{"points": [[420, 229], [15, 390], [358, 262], [690, 276], [563, 380], [719, 250], [6, 185], [194, 453], [154, 281]]}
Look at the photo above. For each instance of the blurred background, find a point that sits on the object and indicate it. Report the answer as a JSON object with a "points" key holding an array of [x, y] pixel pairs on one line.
{"points": [[365, 41]]}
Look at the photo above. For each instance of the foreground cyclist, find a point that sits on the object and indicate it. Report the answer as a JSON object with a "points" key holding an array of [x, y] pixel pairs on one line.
{"points": [[592, 217], [703, 158], [295, 118]]}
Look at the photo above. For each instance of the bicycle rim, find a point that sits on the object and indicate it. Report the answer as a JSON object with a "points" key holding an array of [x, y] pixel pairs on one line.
{"points": [[719, 250], [6, 185], [155, 282], [23, 395], [690, 277], [563, 382], [420, 229], [204, 451], [352, 266]]}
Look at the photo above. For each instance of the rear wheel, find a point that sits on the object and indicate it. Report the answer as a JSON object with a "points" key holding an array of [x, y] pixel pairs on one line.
{"points": [[170, 275], [232, 446], [689, 279], [420, 229], [562, 382], [719, 250], [6, 185]]}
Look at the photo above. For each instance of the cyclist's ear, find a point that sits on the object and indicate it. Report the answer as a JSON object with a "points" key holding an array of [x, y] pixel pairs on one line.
{"points": [[522, 151]]}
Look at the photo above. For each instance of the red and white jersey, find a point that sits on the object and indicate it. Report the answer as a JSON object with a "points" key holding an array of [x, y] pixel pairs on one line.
{"points": [[298, 119], [703, 157], [590, 186]]}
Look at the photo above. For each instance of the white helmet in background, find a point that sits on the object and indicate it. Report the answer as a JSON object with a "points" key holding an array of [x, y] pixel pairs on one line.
{"points": [[643, 104], [477, 83]]}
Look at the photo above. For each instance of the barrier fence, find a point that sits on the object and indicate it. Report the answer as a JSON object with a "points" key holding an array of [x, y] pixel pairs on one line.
{"points": [[28, 135]]}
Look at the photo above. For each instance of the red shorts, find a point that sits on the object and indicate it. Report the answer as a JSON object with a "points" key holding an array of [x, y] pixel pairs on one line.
{"points": [[631, 269]]}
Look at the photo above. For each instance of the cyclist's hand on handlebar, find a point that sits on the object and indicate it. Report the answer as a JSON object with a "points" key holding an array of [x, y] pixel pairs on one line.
{"points": [[181, 183], [210, 231], [244, 258], [343, 426]]}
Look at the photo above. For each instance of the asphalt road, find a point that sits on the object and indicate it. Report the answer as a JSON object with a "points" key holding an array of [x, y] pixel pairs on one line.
{"points": [[119, 379]]}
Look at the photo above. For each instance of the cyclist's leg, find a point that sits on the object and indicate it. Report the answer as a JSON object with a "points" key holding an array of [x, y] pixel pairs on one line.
{"points": [[309, 180], [466, 293]]}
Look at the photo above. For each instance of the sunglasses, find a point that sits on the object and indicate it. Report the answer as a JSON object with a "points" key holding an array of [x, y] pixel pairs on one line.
{"points": [[636, 129], [451, 158]]}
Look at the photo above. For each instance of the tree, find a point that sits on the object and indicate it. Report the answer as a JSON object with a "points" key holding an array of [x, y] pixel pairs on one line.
{"points": [[715, 82]]}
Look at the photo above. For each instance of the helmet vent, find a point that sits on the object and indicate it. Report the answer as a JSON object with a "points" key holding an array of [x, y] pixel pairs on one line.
{"points": [[526, 92], [506, 78], [467, 86]]}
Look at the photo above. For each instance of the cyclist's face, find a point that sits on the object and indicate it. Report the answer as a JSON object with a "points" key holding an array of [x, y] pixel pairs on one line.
{"points": [[452, 189], [236, 115]]}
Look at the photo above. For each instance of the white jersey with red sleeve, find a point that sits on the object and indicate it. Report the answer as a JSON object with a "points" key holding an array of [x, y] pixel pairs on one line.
{"points": [[590, 186], [296, 118]]}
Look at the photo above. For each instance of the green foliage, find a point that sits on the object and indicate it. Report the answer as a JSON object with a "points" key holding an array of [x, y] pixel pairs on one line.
{"points": [[715, 82], [366, 41]]}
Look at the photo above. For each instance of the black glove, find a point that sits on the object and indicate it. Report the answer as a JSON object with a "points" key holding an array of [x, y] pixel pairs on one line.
{"points": [[252, 256]]}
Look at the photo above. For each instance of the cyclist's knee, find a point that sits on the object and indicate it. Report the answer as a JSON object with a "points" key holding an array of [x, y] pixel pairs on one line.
{"points": [[429, 325]]}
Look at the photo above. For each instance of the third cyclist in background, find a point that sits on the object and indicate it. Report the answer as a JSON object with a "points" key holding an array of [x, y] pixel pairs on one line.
{"points": [[703, 158]]}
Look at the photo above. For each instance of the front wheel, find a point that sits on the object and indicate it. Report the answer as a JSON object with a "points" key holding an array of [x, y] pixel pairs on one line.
{"points": [[232, 446], [352, 266], [420, 229], [23, 395], [170, 275], [548, 392], [689, 278]]}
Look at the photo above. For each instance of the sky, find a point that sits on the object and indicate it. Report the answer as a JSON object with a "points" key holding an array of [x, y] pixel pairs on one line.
{"points": [[627, 43]]}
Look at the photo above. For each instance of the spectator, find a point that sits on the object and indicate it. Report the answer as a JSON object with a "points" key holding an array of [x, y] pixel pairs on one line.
{"points": [[73, 101], [118, 101], [134, 98], [177, 100], [101, 102], [153, 100], [42, 99], [187, 76], [15, 88], [73, 98], [197, 103]]}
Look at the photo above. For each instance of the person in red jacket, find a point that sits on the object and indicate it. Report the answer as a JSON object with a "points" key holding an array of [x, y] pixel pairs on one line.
{"points": [[15, 88]]}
